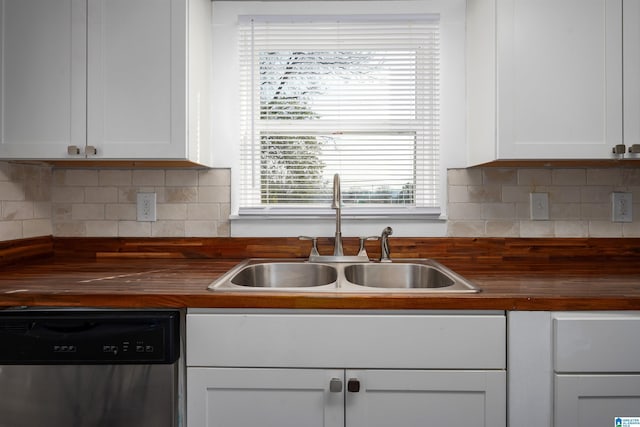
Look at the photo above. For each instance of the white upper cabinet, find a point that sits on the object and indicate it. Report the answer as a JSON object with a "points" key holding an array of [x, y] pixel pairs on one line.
{"points": [[42, 77], [139, 80], [631, 61], [544, 79]]}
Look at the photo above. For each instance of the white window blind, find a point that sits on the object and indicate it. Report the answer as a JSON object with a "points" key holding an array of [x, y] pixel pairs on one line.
{"points": [[355, 95]]}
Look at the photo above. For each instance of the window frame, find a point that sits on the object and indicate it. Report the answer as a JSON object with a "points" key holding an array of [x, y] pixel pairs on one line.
{"points": [[404, 122], [225, 118]]}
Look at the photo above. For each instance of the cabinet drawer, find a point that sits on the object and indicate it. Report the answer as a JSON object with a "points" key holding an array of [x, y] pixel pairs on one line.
{"points": [[347, 340], [597, 342]]}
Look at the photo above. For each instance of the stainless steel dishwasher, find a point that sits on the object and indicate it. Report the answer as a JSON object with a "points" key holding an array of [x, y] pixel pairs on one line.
{"points": [[89, 368]]}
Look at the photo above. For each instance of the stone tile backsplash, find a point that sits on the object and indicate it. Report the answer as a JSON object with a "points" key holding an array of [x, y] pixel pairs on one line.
{"points": [[102, 202], [36, 200], [494, 202], [25, 201]]}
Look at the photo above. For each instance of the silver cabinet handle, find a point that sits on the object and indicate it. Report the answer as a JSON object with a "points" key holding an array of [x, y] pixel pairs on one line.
{"points": [[335, 385], [353, 385], [619, 149], [90, 150], [73, 150]]}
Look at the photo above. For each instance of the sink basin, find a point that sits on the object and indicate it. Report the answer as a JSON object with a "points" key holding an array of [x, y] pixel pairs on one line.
{"points": [[397, 276], [285, 275], [405, 276]]}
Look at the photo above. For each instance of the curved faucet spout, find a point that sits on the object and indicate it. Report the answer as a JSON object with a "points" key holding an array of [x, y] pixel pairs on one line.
{"points": [[335, 204]]}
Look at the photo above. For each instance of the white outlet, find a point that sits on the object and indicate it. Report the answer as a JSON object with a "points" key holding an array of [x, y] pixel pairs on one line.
{"points": [[539, 206], [146, 206], [621, 207]]}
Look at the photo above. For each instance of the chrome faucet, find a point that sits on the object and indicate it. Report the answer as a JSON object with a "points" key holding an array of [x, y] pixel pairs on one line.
{"points": [[337, 249], [385, 251], [338, 253]]}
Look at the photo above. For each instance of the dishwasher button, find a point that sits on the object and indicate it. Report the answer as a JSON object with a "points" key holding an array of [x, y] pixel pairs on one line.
{"points": [[112, 349]]}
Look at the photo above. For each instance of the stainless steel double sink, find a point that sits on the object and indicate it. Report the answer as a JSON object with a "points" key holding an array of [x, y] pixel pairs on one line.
{"points": [[407, 276]]}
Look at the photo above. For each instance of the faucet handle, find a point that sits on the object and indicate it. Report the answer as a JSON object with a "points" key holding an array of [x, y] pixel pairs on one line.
{"points": [[362, 252], [314, 244]]}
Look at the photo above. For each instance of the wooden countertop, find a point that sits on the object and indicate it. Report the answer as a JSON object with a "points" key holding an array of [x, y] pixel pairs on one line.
{"points": [[138, 283], [513, 273]]}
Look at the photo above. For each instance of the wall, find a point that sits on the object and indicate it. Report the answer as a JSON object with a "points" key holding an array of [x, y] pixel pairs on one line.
{"points": [[495, 202], [102, 202], [25, 201], [483, 202]]}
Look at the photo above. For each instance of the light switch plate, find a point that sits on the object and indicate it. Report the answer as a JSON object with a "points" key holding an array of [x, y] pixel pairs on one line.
{"points": [[539, 206], [621, 207]]}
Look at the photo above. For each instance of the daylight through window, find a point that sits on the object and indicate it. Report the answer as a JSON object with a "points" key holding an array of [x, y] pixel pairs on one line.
{"points": [[355, 95]]}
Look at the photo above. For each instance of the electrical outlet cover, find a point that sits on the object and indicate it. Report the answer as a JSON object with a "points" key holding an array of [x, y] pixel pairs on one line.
{"points": [[146, 206], [621, 207]]}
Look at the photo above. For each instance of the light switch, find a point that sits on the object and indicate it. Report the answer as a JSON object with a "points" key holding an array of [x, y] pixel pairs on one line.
{"points": [[539, 206]]}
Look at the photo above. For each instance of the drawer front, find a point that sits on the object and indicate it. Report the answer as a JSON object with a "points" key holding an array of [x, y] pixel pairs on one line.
{"points": [[347, 341], [597, 342]]}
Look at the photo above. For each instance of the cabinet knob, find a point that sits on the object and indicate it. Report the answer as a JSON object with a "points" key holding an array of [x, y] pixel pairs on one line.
{"points": [[634, 149], [335, 385], [353, 385], [73, 150], [90, 150]]}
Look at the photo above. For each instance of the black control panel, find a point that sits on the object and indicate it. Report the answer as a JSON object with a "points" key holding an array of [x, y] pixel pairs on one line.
{"points": [[89, 336]]}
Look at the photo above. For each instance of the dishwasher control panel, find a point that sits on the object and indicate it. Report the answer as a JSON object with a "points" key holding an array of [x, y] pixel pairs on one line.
{"points": [[89, 336]]}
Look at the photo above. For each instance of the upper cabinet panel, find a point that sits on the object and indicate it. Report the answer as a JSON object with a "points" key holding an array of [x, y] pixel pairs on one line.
{"points": [[631, 61], [137, 78], [555, 67], [106, 80], [42, 77]]}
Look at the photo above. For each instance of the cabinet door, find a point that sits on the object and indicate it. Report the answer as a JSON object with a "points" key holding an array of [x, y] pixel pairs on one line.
{"points": [[631, 57], [410, 398], [42, 77], [559, 78], [238, 397], [595, 400], [137, 78]]}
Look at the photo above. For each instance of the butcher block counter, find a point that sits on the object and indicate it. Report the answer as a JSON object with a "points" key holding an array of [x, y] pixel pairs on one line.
{"points": [[513, 274]]}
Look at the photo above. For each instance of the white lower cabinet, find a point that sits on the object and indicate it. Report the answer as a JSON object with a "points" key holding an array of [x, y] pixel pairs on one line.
{"points": [[241, 397], [596, 364], [425, 398], [355, 370], [573, 369], [595, 400]]}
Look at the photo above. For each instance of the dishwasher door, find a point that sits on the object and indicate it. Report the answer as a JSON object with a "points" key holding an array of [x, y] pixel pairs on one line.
{"points": [[88, 395], [89, 368]]}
